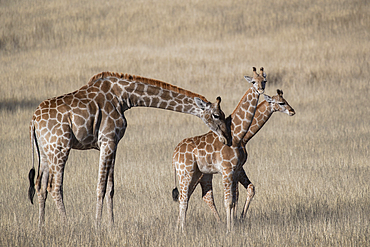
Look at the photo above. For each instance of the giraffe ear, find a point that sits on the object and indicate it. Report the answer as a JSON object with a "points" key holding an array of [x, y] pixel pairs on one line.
{"points": [[268, 98], [200, 103], [249, 79]]}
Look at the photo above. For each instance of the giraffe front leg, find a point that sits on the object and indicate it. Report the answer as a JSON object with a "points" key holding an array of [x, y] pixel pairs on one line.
{"points": [[106, 163], [110, 193], [244, 180], [100, 191]]}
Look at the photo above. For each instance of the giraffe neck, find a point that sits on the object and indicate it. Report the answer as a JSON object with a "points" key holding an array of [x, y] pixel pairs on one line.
{"points": [[243, 115], [134, 91], [262, 115]]}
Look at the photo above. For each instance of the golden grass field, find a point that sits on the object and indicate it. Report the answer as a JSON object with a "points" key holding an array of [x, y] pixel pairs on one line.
{"points": [[311, 171]]}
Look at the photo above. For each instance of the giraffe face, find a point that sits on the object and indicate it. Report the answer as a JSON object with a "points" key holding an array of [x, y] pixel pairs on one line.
{"points": [[260, 83], [280, 104], [258, 80], [214, 118]]}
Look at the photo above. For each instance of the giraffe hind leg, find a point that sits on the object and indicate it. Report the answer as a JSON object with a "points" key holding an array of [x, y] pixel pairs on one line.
{"points": [[55, 183], [41, 189], [229, 184], [187, 185]]}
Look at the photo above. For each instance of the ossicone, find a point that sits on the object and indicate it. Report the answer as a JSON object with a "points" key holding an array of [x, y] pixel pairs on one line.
{"points": [[255, 75]]}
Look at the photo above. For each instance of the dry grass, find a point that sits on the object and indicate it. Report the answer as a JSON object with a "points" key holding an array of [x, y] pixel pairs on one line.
{"points": [[311, 171]]}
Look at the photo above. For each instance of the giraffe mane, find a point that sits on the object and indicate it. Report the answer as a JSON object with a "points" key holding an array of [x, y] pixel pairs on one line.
{"points": [[146, 80], [239, 104]]}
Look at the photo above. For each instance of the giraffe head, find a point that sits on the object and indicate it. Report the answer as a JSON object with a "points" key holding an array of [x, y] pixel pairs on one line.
{"points": [[214, 118], [258, 80], [279, 103]]}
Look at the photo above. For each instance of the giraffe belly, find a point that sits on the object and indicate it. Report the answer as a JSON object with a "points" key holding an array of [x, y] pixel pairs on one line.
{"points": [[209, 168], [85, 144]]}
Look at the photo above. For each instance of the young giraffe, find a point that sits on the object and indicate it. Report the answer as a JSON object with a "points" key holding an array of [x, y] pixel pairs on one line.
{"points": [[263, 113], [93, 118], [204, 154]]}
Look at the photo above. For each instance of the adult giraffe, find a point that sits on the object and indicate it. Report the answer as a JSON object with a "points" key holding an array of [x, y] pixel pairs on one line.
{"points": [[265, 109], [93, 118], [204, 154]]}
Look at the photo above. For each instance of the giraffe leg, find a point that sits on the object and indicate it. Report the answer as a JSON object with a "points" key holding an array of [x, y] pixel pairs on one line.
{"points": [[187, 185], [41, 187], [235, 206], [56, 191], [183, 206], [106, 163], [110, 192], [55, 182], [229, 196], [244, 180], [207, 194], [236, 178]]}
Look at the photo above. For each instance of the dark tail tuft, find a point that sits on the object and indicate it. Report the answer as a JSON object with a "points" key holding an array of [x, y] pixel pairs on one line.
{"points": [[31, 190], [175, 194]]}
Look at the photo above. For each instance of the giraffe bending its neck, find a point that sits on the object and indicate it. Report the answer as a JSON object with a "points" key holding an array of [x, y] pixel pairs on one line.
{"points": [[93, 118], [204, 154], [263, 113]]}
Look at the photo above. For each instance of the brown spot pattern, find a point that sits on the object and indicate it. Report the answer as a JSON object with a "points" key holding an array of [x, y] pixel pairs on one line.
{"points": [[92, 118]]}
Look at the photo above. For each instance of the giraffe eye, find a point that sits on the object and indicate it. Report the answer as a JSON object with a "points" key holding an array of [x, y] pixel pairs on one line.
{"points": [[216, 116], [281, 103]]}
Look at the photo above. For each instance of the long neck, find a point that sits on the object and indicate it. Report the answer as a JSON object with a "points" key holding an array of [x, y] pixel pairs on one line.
{"points": [[261, 116], [135, 91], [243, 115]]}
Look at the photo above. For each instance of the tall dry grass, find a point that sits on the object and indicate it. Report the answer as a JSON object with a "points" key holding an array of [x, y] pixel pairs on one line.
{"points": [[311, 171]]}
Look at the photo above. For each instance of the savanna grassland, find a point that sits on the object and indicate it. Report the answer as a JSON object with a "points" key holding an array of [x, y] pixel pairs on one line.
{"points": [[311, 171]]}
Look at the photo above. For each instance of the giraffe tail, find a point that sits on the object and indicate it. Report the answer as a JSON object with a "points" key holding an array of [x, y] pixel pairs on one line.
{"points": [[175, 194], [175, 191], [32, 172], [31, 189]]}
